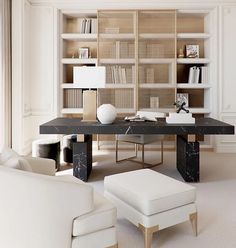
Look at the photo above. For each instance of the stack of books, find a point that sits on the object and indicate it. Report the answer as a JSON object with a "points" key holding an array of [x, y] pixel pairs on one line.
{"points": [[124, 98], [147, 75], [151, 50], [195, 72], [120, 75], [204, 75], [154, 102], [88, 26], [73, 98]]}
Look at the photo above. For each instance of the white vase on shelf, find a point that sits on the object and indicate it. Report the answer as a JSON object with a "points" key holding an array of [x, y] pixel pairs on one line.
{"points": [[106, 113]]}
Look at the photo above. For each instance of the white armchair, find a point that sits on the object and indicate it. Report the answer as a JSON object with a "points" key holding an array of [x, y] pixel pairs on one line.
{"points": [[40, 210]]}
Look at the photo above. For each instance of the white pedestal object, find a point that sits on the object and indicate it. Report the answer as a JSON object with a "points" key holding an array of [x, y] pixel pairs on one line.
{"points": [[180, 118]]}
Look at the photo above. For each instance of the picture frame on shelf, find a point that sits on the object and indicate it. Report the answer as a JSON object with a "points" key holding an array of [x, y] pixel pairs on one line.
{"points": [[192, 51], [83, 52], [182, 97]]}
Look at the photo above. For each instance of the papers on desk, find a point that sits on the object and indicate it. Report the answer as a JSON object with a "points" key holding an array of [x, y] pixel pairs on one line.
{"points": [[145, 116]]}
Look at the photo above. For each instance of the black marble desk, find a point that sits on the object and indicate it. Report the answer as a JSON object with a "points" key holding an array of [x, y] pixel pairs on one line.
{"points": [[187, 147]]}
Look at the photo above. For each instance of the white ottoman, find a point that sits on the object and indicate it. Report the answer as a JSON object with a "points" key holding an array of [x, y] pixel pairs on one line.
{"points": [[152, 201]]}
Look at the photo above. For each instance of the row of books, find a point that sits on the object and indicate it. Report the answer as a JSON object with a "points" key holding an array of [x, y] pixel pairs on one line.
{"points": [[118, 50], [151, 50], [120, 98], [120, 75], [198, 75], [73, 98], [88, 26], [147, 75], [124, 98], [154, 102]]}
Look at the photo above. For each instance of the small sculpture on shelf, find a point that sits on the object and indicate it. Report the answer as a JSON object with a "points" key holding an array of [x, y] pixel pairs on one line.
{"points": [[181, 53], [180, 106]]}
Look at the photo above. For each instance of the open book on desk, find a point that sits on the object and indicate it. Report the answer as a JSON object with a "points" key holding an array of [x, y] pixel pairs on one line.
{"points": [[145, 116]]}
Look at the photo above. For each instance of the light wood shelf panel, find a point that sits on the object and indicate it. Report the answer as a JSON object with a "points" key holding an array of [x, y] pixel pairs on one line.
{"points": [[120, 86], [117, 61], [78, 61], [128, 36], [154, 36], [79, 37], [193, 86], [156, 61], [193, 61], [72, 111], [157, 86], [193, 35]]}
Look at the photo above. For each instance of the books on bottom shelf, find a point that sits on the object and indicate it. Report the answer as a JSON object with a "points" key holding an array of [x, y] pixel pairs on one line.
{"points": [[88, 26], [147, 75], [73, 98], [195, 72], [124, 98], [120, 75], [154, 102]]}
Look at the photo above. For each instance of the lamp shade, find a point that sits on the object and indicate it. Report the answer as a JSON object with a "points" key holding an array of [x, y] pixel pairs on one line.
{"points": [[89, 76]]}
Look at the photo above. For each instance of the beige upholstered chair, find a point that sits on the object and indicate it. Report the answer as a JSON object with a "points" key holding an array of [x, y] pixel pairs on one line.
{"points": [[39, 209], [141, 140]]}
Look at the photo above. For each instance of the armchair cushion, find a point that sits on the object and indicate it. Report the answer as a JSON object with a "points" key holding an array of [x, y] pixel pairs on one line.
{"points": [[43, 166], [7, 153], [18, 163], [103, 216]]}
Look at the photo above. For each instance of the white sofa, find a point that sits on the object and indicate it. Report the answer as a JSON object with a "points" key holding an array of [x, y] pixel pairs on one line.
{"points": [[40, 210]]}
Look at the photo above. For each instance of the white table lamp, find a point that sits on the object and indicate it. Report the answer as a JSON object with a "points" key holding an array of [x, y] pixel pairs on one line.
{"points": [[89, 77]]}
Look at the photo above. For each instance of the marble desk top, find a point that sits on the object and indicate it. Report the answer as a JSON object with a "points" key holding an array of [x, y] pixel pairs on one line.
{"points": [[76, 126]]}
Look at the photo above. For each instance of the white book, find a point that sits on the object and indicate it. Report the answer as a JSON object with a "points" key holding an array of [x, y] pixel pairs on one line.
{"points": [[150, 75], [191, 75], [117, 49], [124, 80], [82, 27], [196, 75], [87, 26], [94, 25], [120, 75], [204, 74], [112, 74]]}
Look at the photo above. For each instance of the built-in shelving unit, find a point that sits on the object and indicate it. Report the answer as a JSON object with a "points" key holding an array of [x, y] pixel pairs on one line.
{"points": [[140, 49]]}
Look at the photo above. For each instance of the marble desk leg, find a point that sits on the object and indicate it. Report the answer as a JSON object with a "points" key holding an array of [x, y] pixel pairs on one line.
{"points": [[188, 159], [82, 158]]}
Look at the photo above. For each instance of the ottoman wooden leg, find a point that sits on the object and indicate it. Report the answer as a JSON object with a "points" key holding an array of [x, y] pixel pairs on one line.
{"points": [[193, 219], [148, 232]]}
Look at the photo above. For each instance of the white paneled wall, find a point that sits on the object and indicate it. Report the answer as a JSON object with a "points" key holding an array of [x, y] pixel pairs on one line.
{"points": [[227, 82]]}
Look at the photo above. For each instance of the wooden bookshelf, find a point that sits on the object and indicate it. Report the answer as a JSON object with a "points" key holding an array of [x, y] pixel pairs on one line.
{"points": [[140, 51]]}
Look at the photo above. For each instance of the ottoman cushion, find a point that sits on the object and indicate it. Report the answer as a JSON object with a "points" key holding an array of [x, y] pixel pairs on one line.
{"points": [[148, 191]]}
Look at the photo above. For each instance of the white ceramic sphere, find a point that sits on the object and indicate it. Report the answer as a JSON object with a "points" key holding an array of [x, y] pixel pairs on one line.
{"points": [[106, 113]]}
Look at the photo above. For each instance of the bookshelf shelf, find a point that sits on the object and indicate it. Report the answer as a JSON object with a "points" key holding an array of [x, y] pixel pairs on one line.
{"points": [[79, 37], [193, 61], [193, 35], [72, 111], [127, 36], [157, 85], [70, 61], [119, 86], [117, 61], [193, 86], [156, 61], [154, 36]]}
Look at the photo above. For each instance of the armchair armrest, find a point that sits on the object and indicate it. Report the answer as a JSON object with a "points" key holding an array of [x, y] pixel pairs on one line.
{"points": [[42, 165]]}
